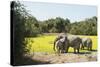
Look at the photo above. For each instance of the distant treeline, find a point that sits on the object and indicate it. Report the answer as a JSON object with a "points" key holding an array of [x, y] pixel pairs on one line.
{"points": [[85, 27], [58, 25]]}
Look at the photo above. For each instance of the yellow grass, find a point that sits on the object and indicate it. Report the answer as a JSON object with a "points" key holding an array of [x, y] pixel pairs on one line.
{"points": [[45, 43]]}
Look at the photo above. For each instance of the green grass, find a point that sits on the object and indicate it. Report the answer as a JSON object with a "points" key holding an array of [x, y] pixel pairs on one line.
{"points": [[45, 43]]}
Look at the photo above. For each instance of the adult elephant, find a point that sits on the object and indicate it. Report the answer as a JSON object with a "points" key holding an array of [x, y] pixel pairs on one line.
{"points": [[74, 42], [86, 42]]}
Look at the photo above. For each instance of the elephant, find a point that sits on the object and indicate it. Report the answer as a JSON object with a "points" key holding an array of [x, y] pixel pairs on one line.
{"points": [[74, 42], [86, 42], [67, 41], [60, 43]]}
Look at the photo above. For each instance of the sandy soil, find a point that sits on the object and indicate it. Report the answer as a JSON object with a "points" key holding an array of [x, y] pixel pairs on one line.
{"points": [[64, 58]]}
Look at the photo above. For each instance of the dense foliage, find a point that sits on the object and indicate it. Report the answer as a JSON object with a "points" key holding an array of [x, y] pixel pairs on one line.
{"points": [[57, 25], [85, 27], [21, 27]]}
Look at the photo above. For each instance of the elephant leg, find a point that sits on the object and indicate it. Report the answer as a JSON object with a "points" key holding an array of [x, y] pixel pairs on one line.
{"points": [[66, 51], [62, 51], [75, 50], [58, 52], [90, 48], [82, 47]]}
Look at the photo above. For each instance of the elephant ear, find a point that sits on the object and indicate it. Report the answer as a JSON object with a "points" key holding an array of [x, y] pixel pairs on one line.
{"points": [[62, 39]]}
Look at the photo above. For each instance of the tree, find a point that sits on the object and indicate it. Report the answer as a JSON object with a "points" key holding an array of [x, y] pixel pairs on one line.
{"points": [[32, 27], [17, 20], [85, 27]]}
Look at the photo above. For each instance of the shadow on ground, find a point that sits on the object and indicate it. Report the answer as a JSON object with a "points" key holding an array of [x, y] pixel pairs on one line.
{"points": [[84, 53], [94, 50], [80, 53], [89, 52], [28, 61]]}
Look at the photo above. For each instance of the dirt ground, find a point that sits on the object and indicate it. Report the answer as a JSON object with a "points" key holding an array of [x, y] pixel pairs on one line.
{"points": [[64, 58]]}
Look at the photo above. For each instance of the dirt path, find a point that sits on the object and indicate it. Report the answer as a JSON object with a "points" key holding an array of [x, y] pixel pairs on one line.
{"points": [[64, 58]]}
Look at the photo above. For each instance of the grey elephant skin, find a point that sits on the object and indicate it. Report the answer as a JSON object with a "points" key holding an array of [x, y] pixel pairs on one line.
{"points": [[63, 42], [86, 43], [74, 42], [60, 43]]}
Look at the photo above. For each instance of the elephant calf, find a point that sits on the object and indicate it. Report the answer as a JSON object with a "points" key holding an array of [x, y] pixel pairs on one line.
{"points": [[60, 43], [86, 42]]}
